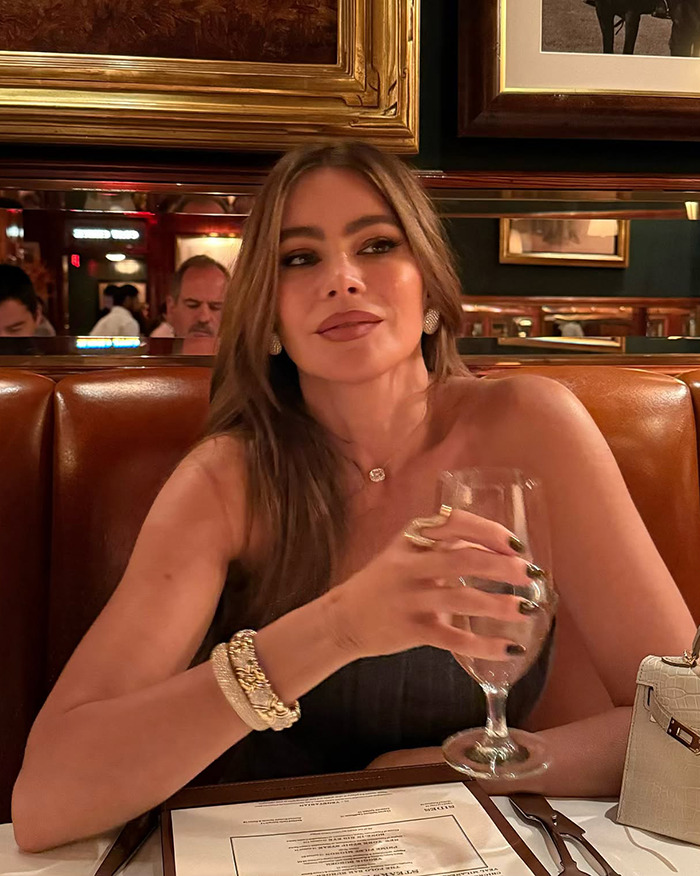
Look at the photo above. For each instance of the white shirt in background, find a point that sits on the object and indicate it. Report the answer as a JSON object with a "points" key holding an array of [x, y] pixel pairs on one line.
{"points": [[118, 323], [164, 330]]}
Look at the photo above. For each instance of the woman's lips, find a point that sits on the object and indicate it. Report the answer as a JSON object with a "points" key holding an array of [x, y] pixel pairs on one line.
{"points": [[349, 331]]}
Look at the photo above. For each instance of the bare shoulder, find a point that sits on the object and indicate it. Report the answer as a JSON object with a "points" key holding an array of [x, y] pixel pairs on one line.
{"points": [[513, 395], [534, 417], [536, 399]]}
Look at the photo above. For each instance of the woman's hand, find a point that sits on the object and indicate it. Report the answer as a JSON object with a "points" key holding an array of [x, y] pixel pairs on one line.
{"points": [[403, 598]]}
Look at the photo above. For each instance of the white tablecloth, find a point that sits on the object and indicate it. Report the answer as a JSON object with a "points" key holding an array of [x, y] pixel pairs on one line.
{"points": [[631, 852]]}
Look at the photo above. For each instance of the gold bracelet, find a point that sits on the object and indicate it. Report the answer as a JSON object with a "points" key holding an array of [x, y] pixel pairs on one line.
{"points": [[256, 686], [226, 678]]}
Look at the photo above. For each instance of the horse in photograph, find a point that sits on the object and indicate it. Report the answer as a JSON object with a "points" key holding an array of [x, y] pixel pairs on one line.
{"points": [[629, 14], [685, 32]]}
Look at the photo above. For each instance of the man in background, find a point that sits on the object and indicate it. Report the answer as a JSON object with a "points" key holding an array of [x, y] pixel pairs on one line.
{"points": [[195, 303], [120, 321]]}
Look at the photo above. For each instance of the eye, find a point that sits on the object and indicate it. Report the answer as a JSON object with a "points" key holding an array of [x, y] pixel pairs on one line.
{"points": [[299, 259], [379, 246]]}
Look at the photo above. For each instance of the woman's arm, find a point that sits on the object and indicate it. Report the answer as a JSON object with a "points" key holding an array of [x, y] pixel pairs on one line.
{"points": [[127, 723], [585, 759]]}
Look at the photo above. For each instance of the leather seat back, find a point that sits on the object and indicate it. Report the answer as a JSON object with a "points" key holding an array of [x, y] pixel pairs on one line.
{"points": [[648, 421], [118, 436], [25, 527]]}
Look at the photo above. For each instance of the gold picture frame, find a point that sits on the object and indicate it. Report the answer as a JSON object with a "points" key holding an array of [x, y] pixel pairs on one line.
{"points": [[570, 241], [371, 93]]}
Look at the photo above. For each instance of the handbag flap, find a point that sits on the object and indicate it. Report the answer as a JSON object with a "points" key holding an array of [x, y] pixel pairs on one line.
{"points": [[676, 688]]}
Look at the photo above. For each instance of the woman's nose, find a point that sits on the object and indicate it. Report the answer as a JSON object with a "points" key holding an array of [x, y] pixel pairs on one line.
{"points": [[344, 278]]}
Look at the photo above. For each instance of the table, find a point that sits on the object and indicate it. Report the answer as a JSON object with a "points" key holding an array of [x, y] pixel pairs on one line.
{"points": [[632, 852]]}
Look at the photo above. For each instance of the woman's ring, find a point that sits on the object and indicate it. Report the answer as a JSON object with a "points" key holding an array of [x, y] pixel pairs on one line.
{"points": [[412, 533], [413, 530]]}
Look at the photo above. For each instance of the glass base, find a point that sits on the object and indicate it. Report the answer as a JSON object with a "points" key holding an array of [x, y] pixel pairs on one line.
{"points": [[472, 752]]}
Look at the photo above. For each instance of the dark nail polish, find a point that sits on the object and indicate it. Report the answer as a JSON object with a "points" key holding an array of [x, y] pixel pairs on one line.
{"points": [[535, 572], [516, 544], [527, 607], [515, 649]]}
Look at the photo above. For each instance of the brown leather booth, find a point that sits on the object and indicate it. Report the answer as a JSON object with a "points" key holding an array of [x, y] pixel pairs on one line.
{"points": [[117, 438], [66, 531], [25, 519]]}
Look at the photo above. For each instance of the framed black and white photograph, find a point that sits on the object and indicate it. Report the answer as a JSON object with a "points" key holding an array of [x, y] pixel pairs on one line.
{"points": [[580, 68], [663, 28]]}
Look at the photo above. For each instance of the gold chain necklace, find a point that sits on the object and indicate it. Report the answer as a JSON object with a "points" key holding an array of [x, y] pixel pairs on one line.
{"points": [[378, 473]]}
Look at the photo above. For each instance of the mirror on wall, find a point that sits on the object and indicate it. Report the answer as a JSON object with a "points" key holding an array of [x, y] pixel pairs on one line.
{"points": [[145, 272]]}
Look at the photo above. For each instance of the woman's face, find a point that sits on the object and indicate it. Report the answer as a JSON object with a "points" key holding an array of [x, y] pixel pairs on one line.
{"points": [[350, 293]]}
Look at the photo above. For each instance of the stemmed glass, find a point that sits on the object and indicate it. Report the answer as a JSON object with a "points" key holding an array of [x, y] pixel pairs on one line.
{"points": [[505, 496]]}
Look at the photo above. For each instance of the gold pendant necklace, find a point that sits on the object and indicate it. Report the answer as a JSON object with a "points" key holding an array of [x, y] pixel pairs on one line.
{"points": [[378, 474]]}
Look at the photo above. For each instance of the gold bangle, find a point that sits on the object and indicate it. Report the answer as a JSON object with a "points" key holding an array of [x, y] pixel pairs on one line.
{"points": [[255, 684], [226, 678]]}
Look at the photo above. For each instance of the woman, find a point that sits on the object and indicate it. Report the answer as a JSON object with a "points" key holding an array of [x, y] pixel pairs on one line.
{"points": [[327, 372]]}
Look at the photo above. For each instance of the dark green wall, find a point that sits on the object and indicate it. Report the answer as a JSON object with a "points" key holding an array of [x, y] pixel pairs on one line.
{"points": [[664, 263]]}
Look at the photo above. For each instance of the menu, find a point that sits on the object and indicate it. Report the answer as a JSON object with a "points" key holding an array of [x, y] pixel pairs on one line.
{"points": [[426, 830]]}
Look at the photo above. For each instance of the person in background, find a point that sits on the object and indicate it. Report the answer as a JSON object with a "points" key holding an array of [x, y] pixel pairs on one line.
{"points": [[194, 305], [162, 329], [44, 329], [107, 299], [120, 321], [572, 329], [142, 315], [19, 304]]}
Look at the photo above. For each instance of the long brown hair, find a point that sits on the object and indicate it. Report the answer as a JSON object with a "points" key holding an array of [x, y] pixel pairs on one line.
{"points": [[293, 490]]}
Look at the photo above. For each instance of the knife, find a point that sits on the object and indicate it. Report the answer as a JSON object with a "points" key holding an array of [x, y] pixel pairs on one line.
{"points": [[129, 840], [535, 807]]}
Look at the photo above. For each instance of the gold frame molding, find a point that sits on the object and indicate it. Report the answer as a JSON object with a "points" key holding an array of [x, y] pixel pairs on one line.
{"points": [[370, 93], [620, 259]]}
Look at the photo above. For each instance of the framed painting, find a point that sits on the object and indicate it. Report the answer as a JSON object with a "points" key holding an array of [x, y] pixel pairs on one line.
{"points": [[574, 68], [570, 241], [211, 74]]}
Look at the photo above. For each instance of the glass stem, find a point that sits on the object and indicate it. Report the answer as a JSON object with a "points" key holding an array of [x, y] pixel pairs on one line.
{"points": [[496, 726]]}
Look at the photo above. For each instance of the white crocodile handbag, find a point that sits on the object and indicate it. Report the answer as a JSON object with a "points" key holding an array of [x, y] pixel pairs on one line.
{"points": [[661, 782]]}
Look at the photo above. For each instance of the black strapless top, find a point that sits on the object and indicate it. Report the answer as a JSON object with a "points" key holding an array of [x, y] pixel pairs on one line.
{"points": [[378, 704]]}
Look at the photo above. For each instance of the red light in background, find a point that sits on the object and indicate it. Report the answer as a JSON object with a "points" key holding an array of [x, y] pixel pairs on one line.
{"points": [[75, 260]]}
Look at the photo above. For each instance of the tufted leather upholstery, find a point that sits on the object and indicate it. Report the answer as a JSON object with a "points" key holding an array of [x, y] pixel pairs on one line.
{"points": [[692, 380], [25, 492], [649, 422], [118, 436]]}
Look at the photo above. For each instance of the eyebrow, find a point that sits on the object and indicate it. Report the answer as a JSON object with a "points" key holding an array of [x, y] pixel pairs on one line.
{"points": [[356, 225]]}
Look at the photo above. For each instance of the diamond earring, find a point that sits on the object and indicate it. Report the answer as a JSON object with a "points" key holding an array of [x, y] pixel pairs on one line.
{"points": [[275, 346], [431, 321]]}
